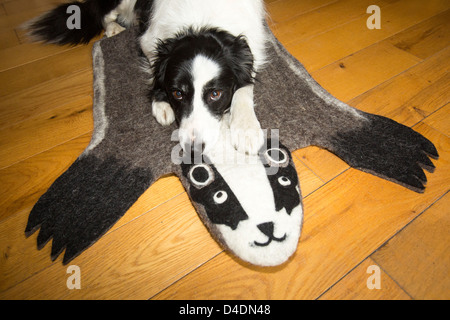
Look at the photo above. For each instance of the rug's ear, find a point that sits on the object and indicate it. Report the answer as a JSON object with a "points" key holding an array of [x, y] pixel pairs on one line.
{"points": [[84, 203]]}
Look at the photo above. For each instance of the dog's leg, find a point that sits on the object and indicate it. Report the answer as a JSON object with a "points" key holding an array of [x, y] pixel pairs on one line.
{"points": [[161, 109], [163, 113], [111, 26], [246, 133]]}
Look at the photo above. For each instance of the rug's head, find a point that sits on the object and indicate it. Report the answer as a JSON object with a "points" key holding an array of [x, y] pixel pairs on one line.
{"points": [[250, 204]]}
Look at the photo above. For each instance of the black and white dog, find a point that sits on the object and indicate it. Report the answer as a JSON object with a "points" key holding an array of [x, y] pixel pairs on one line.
{"points": [[204, 56]]}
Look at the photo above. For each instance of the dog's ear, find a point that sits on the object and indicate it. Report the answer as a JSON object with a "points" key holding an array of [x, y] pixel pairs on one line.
{"points": [[159, 64], [242, 61]]}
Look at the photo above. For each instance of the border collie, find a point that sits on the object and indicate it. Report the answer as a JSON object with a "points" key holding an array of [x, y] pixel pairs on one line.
{"points": [[204, 55]]}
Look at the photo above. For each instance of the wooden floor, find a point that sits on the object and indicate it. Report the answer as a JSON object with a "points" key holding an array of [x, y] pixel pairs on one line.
{"points": [[161, 250]]}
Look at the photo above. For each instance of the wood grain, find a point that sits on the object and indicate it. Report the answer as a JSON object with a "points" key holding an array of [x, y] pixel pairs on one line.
{"points": [[34, 100], [386, 61], [403, 256], [36, 72], [70, 121], [353, 36], [412, 95], [354, 286], [440, 120], [330, 15], [426, 38]]}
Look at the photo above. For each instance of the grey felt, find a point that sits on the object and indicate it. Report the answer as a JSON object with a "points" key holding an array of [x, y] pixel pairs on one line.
{"points": [[130, 150]]}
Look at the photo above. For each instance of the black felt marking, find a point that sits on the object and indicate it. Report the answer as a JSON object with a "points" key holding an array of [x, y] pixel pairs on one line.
{"points": [[267, 229], [229, 213], [286, 196], [84, 203]]}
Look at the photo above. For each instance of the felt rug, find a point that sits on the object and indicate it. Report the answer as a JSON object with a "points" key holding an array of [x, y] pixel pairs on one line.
{"points": [[129, 151]]}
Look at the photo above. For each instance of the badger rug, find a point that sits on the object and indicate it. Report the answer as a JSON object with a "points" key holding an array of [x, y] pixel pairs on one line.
{"points": [[251, 205]]}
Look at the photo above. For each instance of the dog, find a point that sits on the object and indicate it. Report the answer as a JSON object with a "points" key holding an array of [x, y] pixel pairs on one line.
{"points": [[204, 56]]}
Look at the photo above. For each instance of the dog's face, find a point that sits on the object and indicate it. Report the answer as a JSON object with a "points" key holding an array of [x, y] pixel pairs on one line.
{"points": [[198, 73]]}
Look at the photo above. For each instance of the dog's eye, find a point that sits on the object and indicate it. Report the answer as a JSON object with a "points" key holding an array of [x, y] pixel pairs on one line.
{"points": [[284, 181], [220, 197], [215, 95], [177, 94]]}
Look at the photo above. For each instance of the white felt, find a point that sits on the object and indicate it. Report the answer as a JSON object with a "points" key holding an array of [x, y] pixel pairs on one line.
{"points": [[247, 178]]}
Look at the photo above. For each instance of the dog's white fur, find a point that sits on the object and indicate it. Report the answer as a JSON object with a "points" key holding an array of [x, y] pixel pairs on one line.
{"points": [[238, 17], [200, 123]]}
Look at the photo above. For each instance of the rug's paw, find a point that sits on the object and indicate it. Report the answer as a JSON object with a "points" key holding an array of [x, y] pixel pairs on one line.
{"points": [[387, 149], [84, 203]]}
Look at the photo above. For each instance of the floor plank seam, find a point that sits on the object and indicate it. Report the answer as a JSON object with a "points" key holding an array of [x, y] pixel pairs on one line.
{"points": [[399, 74], [376, 43], [393, 279], [428, 116], [48, 149], [400, 230], [187, 274]]}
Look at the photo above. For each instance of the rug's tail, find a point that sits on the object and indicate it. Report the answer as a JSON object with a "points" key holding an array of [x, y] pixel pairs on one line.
{"points": [[71, 23]]}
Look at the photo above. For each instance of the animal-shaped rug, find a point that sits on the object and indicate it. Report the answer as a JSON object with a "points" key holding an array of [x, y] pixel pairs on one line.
{"points": [[253, 206]]}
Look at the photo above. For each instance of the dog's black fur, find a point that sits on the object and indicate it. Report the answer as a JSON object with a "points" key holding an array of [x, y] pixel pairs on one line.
{"points": [[173, 60], [52, 26]]}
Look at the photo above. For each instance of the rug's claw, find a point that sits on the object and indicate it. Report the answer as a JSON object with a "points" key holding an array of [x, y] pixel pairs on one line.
{"points": [[84, 203], [387, 149]]}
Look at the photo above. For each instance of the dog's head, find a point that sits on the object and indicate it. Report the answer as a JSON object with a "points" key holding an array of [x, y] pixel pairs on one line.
{"points": [[197, 72]]}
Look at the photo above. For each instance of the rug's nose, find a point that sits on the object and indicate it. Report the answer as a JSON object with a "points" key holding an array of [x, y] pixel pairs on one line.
{"points": [[266, 228]]}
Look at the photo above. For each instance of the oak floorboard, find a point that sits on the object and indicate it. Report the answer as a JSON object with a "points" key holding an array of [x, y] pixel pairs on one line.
{"points": [[328, 47], [412, 95], [70, 121], [39, 71], [43, 97], [418, 258], [354, 286]]}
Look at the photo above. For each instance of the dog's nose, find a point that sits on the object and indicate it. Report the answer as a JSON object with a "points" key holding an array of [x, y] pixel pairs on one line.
{"points": [[266, 228]]}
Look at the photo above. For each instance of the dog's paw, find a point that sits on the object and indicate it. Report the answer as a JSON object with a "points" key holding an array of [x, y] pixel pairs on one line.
{"points": [[113, 28], [246, 136], [163, 113]]}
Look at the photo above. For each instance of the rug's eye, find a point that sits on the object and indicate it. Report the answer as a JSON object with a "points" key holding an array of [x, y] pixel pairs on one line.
{"points": [[277, 157], [177, 94], [201, 175], [215, 95], [284, 181], [220, 197]]}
